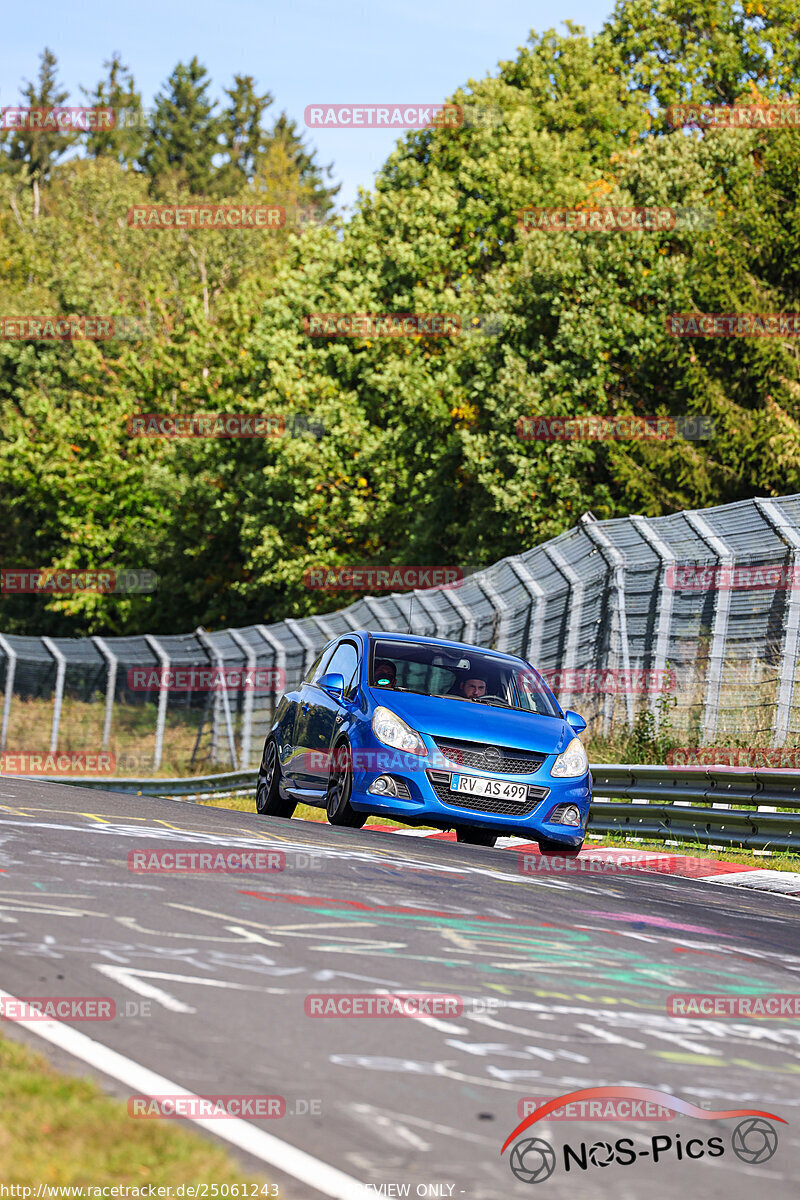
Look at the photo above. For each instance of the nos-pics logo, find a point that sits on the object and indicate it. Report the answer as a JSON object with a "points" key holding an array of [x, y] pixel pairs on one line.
{"points": [[533, 1159]]}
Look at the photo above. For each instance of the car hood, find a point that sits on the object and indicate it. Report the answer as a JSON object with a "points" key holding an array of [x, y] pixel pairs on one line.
{"points": [[440, 716]]}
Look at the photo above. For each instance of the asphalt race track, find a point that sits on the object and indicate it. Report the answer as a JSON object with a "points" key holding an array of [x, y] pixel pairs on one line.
{"points": [[563, 982]]}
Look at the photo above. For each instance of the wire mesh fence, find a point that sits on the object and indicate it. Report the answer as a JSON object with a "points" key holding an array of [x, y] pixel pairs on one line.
{"points": [[700, 606]]}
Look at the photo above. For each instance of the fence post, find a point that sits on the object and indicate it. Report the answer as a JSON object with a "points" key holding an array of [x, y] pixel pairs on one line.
{"points": [[619, 625], [309, 647], [247, 713], [574, 612], [382, 618], [501, 607], [163, 695], [536, 611], [432, 616], [111, 683], [278, 657], [467, 619], [11, 655], [61, 670], [665, 601], [221, 696], [719, 631], [790, 650]]}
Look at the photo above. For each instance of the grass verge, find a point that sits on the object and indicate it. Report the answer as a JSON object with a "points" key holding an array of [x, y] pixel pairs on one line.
{"points": [[67, 1131]]}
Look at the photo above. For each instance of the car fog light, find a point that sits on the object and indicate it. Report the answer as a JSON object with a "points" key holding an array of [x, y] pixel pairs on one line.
{"points": [[571, 815], [384, 785]]}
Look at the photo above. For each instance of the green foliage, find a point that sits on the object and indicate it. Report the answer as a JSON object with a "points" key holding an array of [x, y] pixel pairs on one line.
{"points": [[420, 462]]}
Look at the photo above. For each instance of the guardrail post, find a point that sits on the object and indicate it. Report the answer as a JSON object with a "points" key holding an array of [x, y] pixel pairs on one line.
{"points": [[61, 670], [247, 713], [538, 600], [382, 618], [163, 696], [11, 655], [719, 632], [574, 613], [618, 641], [433, 617], [666, 597], [111, 683], [790, 651]]}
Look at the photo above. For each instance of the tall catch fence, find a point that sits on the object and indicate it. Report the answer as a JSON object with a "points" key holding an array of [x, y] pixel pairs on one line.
{"points": [[700, 606]]}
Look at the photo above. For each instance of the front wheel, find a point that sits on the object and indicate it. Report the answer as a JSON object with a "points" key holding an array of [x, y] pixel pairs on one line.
{"points": [[548, 847], [269, 801], [340, 786], [476, 837]]}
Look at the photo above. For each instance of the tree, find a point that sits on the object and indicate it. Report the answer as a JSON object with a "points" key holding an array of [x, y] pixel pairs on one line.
{"points": [[181, 143], [243, 137], [38, 149], [123, 142], [303, 163]]}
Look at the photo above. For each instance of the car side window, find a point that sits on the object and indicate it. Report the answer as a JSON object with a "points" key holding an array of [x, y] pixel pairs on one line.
{"points": [[317, 668], [344, 662]]}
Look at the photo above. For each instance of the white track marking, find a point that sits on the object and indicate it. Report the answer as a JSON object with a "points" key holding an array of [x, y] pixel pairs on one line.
{"points": [[328, 1180]]}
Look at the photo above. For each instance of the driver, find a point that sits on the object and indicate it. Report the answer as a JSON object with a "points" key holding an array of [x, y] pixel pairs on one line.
{"points": [[385, 673], [472, 688]]}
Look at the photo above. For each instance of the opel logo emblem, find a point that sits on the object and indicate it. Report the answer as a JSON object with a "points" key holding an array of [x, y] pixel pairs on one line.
{"points": [[492, 758]]}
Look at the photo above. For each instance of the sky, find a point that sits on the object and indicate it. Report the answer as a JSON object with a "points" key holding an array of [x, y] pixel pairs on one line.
{"points": [[305, 52]]}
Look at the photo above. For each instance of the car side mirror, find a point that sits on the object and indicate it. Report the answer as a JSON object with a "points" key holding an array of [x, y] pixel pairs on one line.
{"points": [[333, 684], [575, 721]]}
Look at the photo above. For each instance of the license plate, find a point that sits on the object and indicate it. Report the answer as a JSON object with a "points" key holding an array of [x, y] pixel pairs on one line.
{"points": [[475, 785]]}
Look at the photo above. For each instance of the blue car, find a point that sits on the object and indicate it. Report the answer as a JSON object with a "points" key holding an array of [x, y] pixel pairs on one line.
{"points": [[429, 732]]}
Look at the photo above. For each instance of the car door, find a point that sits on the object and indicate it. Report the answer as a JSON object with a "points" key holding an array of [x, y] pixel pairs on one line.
{"points": [[327, 714], [294, 764]]}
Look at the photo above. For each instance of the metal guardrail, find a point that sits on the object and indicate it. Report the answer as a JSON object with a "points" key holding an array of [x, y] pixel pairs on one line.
{"points": [[737, 806]]}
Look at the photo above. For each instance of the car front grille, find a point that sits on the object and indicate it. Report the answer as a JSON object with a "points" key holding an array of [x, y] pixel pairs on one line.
{"points": [[487, 804], [502, 760]]}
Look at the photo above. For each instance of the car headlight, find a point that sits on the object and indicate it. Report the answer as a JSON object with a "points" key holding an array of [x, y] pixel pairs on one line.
{"points": [[571, 762], [393, 731]]}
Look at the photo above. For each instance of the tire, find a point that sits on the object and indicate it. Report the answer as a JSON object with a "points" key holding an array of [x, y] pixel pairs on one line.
{"points": [[470, 836], [340, 786], [548, 847], [269, 801]]}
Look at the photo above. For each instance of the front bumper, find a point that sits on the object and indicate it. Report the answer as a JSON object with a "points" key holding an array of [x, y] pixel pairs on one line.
{"points": [[428, 800]]}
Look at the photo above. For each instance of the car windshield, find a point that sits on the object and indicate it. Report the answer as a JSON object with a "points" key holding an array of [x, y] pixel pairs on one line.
{"points": [[459, 674]]}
